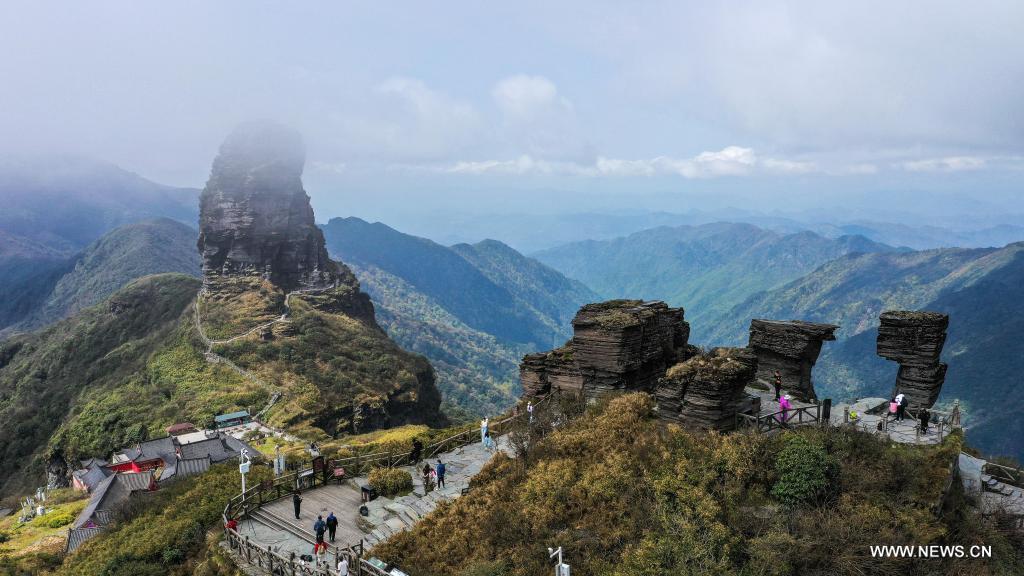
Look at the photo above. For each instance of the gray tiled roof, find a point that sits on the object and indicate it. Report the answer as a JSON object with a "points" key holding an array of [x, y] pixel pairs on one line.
{"points": [[193, 466], [76, 536]]}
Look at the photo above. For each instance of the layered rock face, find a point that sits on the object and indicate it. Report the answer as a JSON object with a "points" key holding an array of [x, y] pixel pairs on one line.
{"points": [[705, 392], [792, 348], [618, 345], [915, 340], [255, 217]]}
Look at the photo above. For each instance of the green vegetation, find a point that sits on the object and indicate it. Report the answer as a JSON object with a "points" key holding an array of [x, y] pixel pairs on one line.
{"points": [[42, 538], [472, 310], [166, 535], [628, 496], [390, 481], [978, 288], [707, 269], [234, 305]]}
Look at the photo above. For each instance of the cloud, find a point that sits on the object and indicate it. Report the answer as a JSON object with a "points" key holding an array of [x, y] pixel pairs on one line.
{"points": [[947, 164], [536, 119], [403, 118], [729, 161]]}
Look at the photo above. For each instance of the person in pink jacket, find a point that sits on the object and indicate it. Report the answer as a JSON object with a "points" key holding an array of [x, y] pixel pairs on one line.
{"points": [[785, 406]]}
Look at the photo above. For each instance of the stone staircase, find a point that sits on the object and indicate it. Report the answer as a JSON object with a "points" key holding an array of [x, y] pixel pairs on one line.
{"points": [[991, 484]]}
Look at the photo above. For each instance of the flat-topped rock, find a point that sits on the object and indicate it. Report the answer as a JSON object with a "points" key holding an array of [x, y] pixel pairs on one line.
{"points": [[790, 347], [705, 391], [618, 345], [915, 339]]}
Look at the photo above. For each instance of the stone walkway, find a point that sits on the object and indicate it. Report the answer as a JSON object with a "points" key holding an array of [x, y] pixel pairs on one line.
{"points": [[275, 524]]}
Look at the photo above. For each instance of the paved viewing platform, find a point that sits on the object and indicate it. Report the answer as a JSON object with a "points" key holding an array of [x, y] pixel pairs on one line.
{"points": [[274, 524]]}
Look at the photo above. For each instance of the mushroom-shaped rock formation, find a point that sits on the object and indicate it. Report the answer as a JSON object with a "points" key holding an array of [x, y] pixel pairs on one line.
{"points": [[792, 348], [618, 345], [915, 340], [704, 392]]}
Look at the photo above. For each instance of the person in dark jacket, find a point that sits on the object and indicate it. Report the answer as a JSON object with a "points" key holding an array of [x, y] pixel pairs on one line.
{"points": [[777, 383], [297, 503], [924, 416], [319, 527], [417, 451], [332, 525], [440, 470]]}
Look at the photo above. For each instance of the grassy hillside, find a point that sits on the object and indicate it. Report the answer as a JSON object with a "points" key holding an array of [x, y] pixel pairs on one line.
{"points": [[978, 288], [624, 495], [476, 373], [120, 256], [445, 276], [707, 269], [473, 310], [115, 373]]}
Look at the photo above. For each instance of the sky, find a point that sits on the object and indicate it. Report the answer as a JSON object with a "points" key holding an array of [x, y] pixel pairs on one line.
{"points": [[900, 110]]}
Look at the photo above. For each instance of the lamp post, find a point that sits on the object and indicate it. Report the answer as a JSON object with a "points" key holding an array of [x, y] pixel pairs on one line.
{"points": [[243, 467], [561, 569]]}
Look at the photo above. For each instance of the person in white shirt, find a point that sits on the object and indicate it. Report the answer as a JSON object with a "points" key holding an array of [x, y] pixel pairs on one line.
{"points": [[483, 429], [529, 411], [343, 566]]}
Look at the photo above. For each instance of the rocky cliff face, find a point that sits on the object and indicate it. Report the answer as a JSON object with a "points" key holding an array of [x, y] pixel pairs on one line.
{"points": [[915, 340], [259, 242], [704, 392], [792, 348], [617, 345], [255, 217]]}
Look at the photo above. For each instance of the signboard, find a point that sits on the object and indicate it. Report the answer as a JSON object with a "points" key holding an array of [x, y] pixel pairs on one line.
{"points": [[339, 472], [306, 473], [244, 467]]}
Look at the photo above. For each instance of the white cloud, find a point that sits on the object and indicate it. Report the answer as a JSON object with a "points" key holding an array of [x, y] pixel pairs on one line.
{"points": [[527, 98], [535, 118], [729, 161], [947, 164]]}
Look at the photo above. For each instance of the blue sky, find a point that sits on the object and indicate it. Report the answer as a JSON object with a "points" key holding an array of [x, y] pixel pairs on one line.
{"points": [[414, 108]]}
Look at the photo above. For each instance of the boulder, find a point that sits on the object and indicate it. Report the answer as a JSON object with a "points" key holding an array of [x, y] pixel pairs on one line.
{"points": [[792, 348], [706, 391], [915, 339]]}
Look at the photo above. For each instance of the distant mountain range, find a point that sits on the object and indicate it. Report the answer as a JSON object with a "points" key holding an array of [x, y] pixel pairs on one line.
{"points": [[53, 208], [707, 269], [979, 288], [473, 310]]}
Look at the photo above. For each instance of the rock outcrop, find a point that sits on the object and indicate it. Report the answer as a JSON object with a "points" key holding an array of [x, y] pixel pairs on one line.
{"points": [[792, 348], [256, 219], [705, 392], [619, 345], [915, 340]]}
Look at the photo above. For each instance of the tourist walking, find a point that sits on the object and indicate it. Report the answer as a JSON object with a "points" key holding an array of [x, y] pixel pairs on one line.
{"points": [[319, 527], [924, 416], [332, 525], [489, 442], [785, 406], [440, 470], [901, 406], [343, 566], [417, 451], [297, 503], [777, 383], [483, 429]]}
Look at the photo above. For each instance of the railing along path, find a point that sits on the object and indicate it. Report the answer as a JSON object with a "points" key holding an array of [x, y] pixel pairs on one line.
{"points": [[321, 473]]}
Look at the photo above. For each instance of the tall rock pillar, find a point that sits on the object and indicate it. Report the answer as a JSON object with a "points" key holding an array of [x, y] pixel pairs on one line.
{"points": [[915, 340]]}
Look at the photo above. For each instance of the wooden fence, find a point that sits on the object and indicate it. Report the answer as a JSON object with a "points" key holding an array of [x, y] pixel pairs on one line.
{"points": [[810, 414], [320, 473]]}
